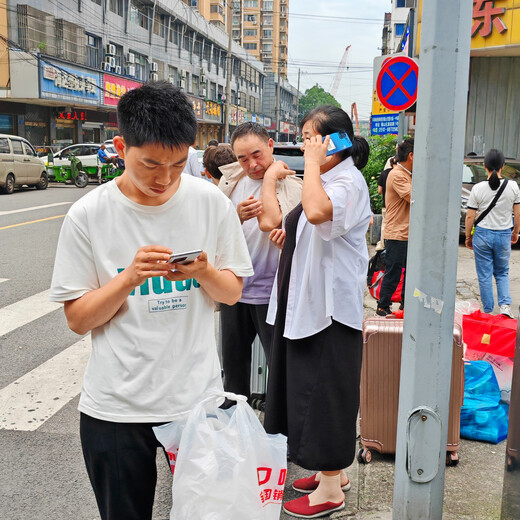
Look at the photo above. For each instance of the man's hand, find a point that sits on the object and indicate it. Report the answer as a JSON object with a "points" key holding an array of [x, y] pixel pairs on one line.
{"points": [[279, 170], [469, 242], [514, 237], [195, 269], [149, 261], [248, 209], [277, 237]]}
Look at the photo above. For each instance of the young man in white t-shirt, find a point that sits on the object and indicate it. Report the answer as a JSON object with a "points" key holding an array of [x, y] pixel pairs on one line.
{"points": [[153, 345], [242, 182]]}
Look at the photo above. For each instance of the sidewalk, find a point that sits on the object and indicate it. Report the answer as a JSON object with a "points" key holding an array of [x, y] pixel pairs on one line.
{"points": [[473, 488]]}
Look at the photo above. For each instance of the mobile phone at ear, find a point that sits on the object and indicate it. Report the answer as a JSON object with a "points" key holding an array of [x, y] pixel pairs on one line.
{"points": [[185, 258], [339, 141]]}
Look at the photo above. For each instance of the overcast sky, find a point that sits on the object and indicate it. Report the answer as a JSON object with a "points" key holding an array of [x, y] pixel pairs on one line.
{"points": [[319, 32]]}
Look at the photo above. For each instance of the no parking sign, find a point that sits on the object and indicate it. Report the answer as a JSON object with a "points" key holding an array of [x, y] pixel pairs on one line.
{"points": [[397, 83]]}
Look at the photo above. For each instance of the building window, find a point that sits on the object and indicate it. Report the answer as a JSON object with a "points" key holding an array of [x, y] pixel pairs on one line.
{"points": [[98, 2], [250, 32], [250, 18], [250, 46], [116, 6], [399, 29], [251, 3], [400, 3], [216, 8], [93, 51], [268, 20], [268, 5], [268, 34], [139, 14], [159, 24], [267, 47]]}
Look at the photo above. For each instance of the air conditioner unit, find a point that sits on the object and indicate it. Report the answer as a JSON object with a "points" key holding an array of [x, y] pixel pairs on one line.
{"points": [[117, 69], [130, 70], [154, 76], [111, 61], [106, 66], [110, 49], [130, 58], [154, 66], [203, 91], [182, 74], [254, 22], [171, 79], [182, 83]]}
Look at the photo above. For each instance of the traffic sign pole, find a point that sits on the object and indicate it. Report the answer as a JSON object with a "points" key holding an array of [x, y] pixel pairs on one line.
{"points": [[432, 261]]}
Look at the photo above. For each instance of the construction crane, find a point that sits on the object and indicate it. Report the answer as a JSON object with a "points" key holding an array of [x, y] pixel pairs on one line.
{"points": [[339, 73]]}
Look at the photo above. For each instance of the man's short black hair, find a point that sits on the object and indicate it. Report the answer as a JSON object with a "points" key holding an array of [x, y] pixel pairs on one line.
{"points": [[404, 149], [250, 129], [157, 113]]}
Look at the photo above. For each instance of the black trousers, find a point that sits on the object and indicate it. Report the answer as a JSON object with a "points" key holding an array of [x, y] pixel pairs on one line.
{"points": [[121, 464], [240, 323], [395, 261]]}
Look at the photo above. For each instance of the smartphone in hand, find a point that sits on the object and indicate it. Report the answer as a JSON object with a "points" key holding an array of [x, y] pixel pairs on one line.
{"points": [[185, 258], [339, 141]]}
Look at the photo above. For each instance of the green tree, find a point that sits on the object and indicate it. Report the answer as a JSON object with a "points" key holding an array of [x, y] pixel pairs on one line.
{"points": [[381, 148], [314, 97]]}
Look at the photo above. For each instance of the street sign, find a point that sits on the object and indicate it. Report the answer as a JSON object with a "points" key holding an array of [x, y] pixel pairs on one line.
{"points": [[384, 124], [397, 83]]}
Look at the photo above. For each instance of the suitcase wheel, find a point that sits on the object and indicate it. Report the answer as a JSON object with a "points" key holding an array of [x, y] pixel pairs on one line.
{"points": [[364, 456], [452, 458]]}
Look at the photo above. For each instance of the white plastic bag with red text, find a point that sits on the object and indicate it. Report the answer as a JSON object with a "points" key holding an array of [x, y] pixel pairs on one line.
{"points": [[227, 466]]}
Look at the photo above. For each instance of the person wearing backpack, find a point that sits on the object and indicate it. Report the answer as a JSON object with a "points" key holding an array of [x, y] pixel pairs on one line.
{"points": [[490, 231]]}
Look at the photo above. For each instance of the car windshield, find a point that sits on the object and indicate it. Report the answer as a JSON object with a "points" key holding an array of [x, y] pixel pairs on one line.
{"points": [[295, 162], [110, 148], [473, 173]]}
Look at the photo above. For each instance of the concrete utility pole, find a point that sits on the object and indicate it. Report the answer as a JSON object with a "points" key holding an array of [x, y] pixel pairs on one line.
{"points": [[432, 260], [228, 73]]}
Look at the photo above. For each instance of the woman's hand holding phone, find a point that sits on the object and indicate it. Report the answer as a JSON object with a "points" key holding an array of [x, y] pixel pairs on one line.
{"points": [[315, 149]]}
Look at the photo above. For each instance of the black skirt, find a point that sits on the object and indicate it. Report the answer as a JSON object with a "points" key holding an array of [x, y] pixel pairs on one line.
{"points": [[313, 386]]}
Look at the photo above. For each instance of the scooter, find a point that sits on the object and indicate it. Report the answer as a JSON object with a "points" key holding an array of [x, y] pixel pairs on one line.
{"points": [[73, 174]]}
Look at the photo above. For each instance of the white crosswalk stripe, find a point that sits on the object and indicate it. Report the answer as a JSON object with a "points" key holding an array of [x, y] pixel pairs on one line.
{"points": [[27, 310], [35, 397]]}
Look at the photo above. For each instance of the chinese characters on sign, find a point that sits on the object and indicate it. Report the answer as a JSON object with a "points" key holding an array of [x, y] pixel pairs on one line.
{"points": [[213, 109], [69, 81], [115, 87], [485, 16], [73, 116]]}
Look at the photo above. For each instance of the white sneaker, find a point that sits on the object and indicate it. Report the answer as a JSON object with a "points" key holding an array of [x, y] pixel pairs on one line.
{"points": [[506, 311]]}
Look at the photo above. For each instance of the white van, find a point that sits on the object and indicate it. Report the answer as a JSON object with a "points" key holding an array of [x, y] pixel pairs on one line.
{"points": [[20, 165]]}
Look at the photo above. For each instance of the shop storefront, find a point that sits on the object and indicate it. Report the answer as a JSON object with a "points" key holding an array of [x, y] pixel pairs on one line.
{"points": [[114, 87], [494, 97]]}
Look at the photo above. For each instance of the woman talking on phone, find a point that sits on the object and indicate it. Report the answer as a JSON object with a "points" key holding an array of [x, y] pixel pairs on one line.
{"points": [[317, 309]]}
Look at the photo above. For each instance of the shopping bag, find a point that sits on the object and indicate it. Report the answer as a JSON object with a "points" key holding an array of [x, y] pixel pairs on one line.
{"points": [[226, 466], [482, 416], [493, 334], [375, 287]]}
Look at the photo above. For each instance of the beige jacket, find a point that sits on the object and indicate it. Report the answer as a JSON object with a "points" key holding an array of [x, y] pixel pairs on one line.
{"points": [[288, 190]]}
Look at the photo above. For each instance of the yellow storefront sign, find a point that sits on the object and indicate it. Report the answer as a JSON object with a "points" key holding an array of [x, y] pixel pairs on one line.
{"points": [[496, 24]]}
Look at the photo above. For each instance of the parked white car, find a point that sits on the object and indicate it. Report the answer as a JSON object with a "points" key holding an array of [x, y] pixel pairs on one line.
{"points": [[85, 152], [20, 165]]}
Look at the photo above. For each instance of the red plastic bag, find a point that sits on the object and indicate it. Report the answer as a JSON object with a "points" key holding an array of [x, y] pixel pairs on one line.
{"points": [[488, 333], [375, 287]]}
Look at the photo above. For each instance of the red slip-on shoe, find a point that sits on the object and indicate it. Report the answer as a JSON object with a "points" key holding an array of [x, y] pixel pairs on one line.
{"points": [[309, 484], [301, 508]]}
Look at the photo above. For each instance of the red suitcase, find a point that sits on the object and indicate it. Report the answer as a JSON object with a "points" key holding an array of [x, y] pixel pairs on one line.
{"points": [[380, 376]]}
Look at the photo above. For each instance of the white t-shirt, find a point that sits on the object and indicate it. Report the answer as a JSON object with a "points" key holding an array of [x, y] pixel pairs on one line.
{"points": [[330, 262], [264, 254], [157, 357], [500, 217]]}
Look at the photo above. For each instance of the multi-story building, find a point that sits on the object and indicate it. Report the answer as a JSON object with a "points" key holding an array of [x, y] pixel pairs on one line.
{"points": [[287, 114], [64, 65], [394, 26], [260, 26]]}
